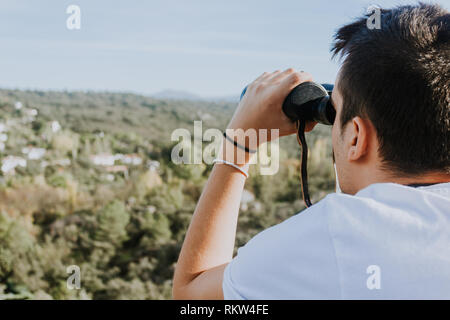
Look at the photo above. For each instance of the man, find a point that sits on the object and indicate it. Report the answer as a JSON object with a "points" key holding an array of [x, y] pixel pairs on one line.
{"points": [[387, 235]]}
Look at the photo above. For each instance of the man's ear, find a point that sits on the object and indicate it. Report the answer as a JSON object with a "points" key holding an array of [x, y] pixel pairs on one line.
{"points": [[358, 139]]}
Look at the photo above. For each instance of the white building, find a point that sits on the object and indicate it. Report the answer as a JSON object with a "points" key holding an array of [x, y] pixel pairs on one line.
{"points": [[3, 137], [11, 162], [132, 159], [103, 159], [118, 157], [2, 127], [31, 112], [29, 115], [34, 153], [153, 165], [55, 126], [109, 160], [18, 105]]}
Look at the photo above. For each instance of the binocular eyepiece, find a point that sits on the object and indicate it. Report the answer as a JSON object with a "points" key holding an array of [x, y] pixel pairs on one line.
{"points": [[309, 101]]}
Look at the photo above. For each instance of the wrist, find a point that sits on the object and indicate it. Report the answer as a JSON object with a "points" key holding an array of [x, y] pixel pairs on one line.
{"points": [[246, 137], [238, 145], [231, 153], [251, 136]]}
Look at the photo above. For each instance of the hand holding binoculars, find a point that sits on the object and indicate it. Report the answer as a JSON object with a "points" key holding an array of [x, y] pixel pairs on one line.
{"points": [[309, 101]]}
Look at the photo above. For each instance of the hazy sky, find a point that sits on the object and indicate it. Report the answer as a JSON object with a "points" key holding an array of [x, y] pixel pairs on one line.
{"points": [[207, 47]]}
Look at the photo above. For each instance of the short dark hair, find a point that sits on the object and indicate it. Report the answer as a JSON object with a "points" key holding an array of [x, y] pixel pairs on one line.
{"points": [[398, 76]]}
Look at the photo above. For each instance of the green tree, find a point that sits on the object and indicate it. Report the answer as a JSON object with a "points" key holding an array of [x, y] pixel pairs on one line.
{"points": [[112, 222]]}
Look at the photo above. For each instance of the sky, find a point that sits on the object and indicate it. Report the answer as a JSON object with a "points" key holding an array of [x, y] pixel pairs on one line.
{"points": [[206, 47]]}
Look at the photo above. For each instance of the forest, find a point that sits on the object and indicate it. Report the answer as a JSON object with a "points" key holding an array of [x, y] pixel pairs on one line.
{"points": [[87, 179]]}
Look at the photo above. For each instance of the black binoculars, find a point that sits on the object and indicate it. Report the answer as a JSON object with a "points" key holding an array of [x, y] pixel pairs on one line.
{"points": [[309, 101]]}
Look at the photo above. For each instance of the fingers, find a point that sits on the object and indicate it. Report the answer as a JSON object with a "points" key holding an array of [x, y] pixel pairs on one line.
{"points": [[285, 81], [281, 75], [296, 76], [293, 79], [262, 76], [272, 76]]}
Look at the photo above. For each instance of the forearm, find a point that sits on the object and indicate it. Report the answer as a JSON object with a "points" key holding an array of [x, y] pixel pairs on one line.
{"points": [[210, 238], [209, 242]]}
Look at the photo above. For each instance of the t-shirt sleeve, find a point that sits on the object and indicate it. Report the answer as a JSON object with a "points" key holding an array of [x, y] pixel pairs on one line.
{"points": [[292, 260]]}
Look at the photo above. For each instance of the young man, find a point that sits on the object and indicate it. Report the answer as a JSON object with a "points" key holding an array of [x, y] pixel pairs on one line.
{"points": [[387, 235]]}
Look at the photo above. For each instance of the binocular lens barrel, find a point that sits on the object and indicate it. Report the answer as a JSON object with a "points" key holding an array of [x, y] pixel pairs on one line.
{"points": [[309, 101]]}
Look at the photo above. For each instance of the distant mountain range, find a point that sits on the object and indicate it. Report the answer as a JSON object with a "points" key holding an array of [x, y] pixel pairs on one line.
{"points": [[184, 95], [170, 94]]}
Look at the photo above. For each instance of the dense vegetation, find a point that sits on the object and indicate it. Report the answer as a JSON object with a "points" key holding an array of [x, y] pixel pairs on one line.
{"points": [[123, 225]]}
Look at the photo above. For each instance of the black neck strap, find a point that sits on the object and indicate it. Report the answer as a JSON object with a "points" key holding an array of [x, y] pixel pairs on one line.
{"points": [[304, 174]]}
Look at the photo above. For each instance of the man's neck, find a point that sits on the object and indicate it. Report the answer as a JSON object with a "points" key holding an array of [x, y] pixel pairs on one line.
{"points": [[383, 177], [428, 178]]}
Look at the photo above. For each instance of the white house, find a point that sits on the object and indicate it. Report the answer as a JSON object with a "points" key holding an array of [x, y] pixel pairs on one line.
{"points": [[11, 162], [118, 157], [103, 159], [34, 153], [132, 159], [55, 126], [31, 112], [153, 165]]}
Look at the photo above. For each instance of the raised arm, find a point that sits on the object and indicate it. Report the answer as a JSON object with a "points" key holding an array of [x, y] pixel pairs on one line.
{"points": [[209, 242]]}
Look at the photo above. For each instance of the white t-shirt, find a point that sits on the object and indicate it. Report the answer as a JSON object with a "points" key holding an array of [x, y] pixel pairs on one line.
{"points": [[388, 241]]}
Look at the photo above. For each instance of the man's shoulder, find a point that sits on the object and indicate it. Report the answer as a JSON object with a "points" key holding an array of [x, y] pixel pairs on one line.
{"points": [[326, 248], [283, 259]]}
